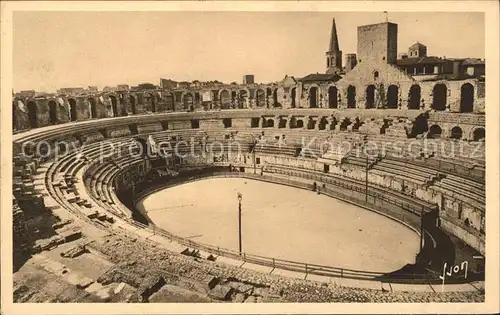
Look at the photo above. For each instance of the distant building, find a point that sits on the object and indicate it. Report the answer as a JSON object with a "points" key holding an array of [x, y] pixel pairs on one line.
{"points": [[27, 93], [147, 86], [71, 91], [93, 89], [248, 79], [183, 85], [122, 87], [109, 89], [167, 84], [417, 50]]}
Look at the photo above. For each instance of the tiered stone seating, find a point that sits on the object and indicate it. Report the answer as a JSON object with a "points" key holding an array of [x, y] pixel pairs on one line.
{"points": [[149, 128], [404, 170]]}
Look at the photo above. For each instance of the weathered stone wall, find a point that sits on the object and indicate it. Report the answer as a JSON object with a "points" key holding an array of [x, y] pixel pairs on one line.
{"points": [[377, 43]]}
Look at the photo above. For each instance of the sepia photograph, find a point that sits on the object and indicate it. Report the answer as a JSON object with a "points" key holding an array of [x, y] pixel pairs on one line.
{"points": [[254, 156]]}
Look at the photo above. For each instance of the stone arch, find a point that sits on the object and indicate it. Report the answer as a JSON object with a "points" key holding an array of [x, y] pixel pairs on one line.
{"points": [[435, 131], [370, 96], [351, 96], [270, 123], [456, 133], [187, 100], [152, 102], [169, 101], [53, 112], [73, 112], [313, 97], [92, 107], [114, 105], [439, 95], [133, 103], [414, 97], [392, 96], [332, 97], [260, 98], [322, 123], [375, 75], [293, 96], [33, 114], [344, 123], [467, 98], [420, 125], [225, 98], [243, 97], [299, 123], [478, 134]]}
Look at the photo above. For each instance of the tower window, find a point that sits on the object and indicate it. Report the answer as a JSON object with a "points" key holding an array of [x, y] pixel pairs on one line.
{"points": [[375, 75]]}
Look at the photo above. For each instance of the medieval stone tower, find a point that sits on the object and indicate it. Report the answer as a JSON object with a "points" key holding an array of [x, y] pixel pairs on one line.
{"points": [[378, 43], [333, 55]]}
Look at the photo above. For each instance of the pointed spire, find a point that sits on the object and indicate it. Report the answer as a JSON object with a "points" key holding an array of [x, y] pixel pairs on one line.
{"points": [[334, 42]]}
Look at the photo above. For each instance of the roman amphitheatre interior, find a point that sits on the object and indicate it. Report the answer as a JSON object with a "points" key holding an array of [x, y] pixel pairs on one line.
{"points": [[365, 183]]}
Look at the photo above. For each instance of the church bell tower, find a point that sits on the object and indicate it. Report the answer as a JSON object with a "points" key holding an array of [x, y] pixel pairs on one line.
{"points": [[333, 55]]}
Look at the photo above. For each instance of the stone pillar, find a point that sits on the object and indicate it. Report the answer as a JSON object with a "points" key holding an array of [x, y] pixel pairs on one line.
{"points": [[277, 120]]}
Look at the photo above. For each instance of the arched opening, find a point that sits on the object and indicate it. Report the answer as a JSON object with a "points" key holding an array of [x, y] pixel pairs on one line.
{"points": [[260, 98], [53, 112], [370, 96], [299, 123], [439, 93], [270, 123], [188, 101], [293, 95], [414, 97], [332, 97], [132, 104], [92, 108], [32, 114], [72, 109], [225, 99], [456, 133], [275, 98], [467, 98], [344, 124], [435, 132], [152, 99], [392, 96], [420, 126], [123, 105], [479, 134], [313, 97], [243, 98], [322, 123], [351, 97], [375, 76], [114, 106], [169, 101]]}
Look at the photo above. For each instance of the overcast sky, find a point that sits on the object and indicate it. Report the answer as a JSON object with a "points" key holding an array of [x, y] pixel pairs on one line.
{"points": [[78, 49]]}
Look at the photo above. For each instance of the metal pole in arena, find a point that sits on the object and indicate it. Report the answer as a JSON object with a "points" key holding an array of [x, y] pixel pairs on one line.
{"points": [[240, 196]]}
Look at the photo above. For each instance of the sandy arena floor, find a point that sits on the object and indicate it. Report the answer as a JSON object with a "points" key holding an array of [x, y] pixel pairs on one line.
{"points": [[283, 222]]}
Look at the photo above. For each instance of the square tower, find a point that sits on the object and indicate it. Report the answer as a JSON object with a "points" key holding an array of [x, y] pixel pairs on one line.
{"points": [[378, 43]]}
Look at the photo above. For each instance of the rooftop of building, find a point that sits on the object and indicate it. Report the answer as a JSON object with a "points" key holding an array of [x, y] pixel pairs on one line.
{"points": [[320, 77], [420, 61], [417, 44]]}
